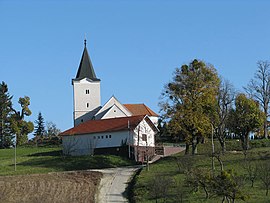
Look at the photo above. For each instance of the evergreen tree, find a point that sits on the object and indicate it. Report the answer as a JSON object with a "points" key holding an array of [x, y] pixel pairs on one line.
{"points": [[39, 128], [5, 109]]}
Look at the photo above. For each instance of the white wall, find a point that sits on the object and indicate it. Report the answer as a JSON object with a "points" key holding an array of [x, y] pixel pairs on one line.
{"points": [[106, 108], [144, 128], [114, 112], [81, 99], [154, 120], [83, 144]]}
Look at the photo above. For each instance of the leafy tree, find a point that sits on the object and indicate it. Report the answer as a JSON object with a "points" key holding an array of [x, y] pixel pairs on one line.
{"points": [[19, 126], [228, 186], [245, 118], [39, 128], [226, 95], [189, 102], [199, 178], [5, 109], [259, 89]]}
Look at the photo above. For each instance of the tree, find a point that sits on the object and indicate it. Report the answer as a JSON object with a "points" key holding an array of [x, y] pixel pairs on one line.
{"points": [[51, 129], [190, 100], [226, 95], [39, 128], [159, 187], [251, 169], [245, 118], [5, 109], [264, 175], [228, 186], [259, 89], [199, 178], [19, 126]]}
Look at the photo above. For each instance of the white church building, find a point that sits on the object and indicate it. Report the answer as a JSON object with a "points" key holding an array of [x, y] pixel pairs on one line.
{"points": [[114, 128]]}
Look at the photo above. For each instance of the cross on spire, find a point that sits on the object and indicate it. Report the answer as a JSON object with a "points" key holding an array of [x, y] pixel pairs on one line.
{"points": [[84, 42]]}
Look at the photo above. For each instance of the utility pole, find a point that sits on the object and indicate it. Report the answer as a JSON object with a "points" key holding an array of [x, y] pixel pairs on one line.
{"points": [[129, 142], [15, 153], [138, 144], [213, 148], [2, 131], [147, 153]]}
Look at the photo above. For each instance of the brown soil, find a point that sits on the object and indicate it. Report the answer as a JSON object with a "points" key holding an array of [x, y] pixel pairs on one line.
{"points": [[66, 187]]}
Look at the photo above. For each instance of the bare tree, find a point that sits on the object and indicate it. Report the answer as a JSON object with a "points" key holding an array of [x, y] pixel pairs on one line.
{"points": [[264, 175], [69, 147], [259, 89], [226, 95], [184, 163], [159, 187], [91, 145], [251, 169]]}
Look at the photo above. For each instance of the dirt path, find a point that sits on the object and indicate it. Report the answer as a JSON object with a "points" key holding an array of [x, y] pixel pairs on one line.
{"points": [[113, 184]]}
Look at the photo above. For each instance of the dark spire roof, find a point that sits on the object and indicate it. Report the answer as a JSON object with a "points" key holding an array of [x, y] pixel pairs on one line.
{"points": [[86, 69]]}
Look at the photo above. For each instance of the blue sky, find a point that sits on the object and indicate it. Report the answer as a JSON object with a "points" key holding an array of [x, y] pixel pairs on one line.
{"points": [[134, 46]]}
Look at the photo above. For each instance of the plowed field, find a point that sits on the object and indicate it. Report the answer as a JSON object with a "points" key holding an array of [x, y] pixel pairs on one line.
{"points": [[63, 187]]}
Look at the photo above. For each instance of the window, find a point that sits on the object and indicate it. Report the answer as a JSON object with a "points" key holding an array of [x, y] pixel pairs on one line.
{"points": [[110, 136], [87, 91], [94, 137], [106, 136], [81, 120], [144, 137], [98, 137], [102, 136], [87, 105]]}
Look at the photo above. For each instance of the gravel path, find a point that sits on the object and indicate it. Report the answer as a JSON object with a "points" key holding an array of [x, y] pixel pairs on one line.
{"points": [[114, 183]]}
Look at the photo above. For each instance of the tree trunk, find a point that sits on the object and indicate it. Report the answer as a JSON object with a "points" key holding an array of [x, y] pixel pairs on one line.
{"points": [[194, 145], [206, 192], [265, 130], [247, 141], [187, 148], [223, 145]]}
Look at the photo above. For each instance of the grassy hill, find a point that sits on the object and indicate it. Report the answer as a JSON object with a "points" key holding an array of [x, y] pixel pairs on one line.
{"points": [[33, 160], [167, 177]]}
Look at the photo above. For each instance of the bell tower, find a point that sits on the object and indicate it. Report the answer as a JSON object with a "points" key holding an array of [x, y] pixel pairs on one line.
{"points": [[86, 90]]}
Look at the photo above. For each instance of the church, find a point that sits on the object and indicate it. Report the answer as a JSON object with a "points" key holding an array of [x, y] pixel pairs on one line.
{"points": [[114, 128]]}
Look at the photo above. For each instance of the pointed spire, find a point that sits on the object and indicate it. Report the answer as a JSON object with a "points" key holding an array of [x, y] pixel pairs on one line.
{"points": [[86, 69]]}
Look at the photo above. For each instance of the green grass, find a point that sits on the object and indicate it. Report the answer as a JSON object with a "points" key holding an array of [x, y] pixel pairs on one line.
{"points": [[33, 160], [167, 167]]}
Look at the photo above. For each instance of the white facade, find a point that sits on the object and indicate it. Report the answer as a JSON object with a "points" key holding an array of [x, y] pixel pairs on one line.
{"points": [[144, 130], [86, 143], [86, 99], [112, 109]]}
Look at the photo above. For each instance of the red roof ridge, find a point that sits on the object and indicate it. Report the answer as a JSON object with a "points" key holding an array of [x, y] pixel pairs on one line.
{"points": [[104, 125], [137, 109]]}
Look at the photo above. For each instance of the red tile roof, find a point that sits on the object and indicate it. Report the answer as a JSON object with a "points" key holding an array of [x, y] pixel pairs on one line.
{"points": [[140, 109], [104, 125]]}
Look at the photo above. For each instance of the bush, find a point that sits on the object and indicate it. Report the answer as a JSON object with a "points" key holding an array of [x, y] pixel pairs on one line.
{"points": [[260, 143]]}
